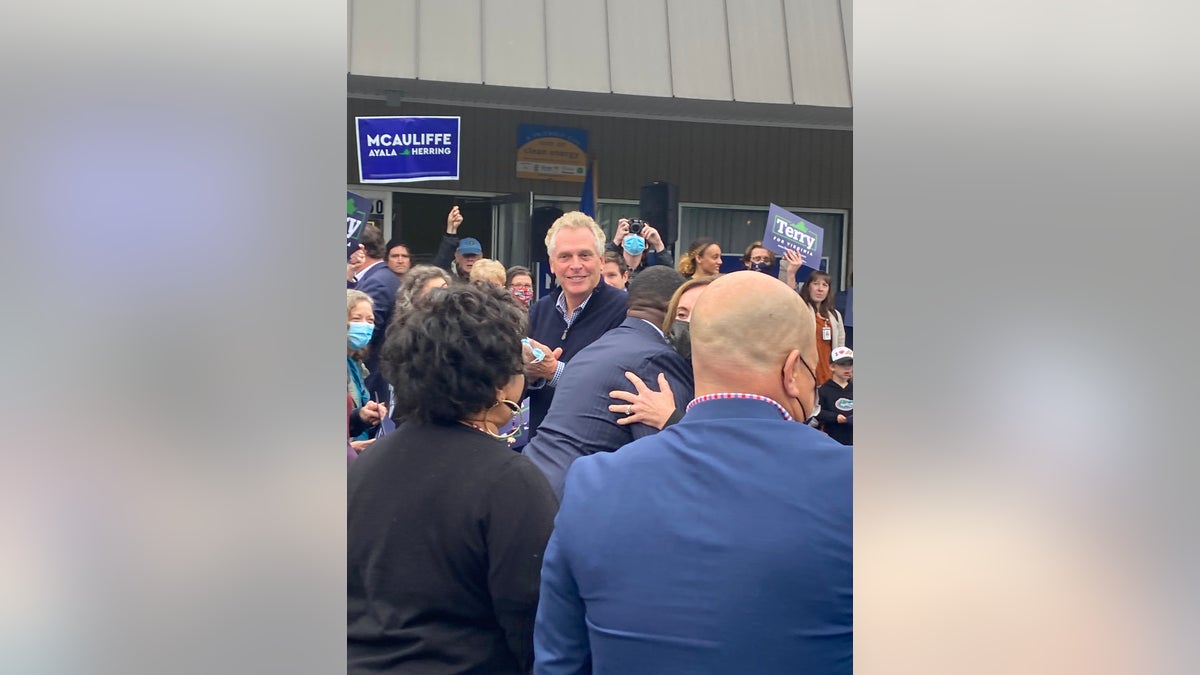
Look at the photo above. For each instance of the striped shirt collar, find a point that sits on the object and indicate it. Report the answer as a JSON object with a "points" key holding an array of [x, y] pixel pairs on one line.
{"points": [[561, 304], [724, 396]]}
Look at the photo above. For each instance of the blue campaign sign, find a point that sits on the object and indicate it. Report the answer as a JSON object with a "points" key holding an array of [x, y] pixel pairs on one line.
{"points": [[787, 231], [407, 149], [544, 281], [357, 210]]}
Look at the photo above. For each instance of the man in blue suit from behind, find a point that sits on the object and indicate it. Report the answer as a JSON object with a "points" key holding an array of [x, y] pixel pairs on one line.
{"points": [[721, 544], [579, 422]]}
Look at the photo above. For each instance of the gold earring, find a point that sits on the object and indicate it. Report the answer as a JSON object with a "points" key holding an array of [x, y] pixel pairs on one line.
{"points": [[513, 406], [515, 409]]}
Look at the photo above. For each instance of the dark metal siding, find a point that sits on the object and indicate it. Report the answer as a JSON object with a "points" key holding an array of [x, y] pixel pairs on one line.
{"points": [[711, 163]]}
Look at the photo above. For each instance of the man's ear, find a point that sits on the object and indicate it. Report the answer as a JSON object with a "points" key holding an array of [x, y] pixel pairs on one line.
{"points": [[791, 374]]}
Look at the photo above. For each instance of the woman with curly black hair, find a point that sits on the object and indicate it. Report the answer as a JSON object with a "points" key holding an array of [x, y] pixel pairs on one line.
{"points": [[446, 525]]}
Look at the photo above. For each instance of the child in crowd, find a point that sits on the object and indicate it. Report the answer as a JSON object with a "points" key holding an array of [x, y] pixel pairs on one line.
{"points": [[837, 398]]}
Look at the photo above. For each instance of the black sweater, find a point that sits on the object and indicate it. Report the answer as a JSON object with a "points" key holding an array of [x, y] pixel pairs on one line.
{"points": [[836, 400], [445, 532]]}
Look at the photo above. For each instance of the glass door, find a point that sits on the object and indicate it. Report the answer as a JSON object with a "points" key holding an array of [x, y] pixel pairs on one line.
{"points": [[511, 233]]}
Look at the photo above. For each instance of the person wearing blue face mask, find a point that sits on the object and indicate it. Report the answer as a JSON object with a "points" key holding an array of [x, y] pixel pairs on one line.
{"points": [[360, 326], [641, 248]]}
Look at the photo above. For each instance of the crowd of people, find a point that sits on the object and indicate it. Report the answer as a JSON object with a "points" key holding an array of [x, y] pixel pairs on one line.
{"points": [[644, 471]]}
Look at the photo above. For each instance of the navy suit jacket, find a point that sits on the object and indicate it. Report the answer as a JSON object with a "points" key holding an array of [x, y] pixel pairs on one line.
{"points": [[579, 422], [721, 544], [381, 283]]}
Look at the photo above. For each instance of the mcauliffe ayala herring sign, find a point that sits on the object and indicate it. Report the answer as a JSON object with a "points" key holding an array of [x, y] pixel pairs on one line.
{"points": [[407, 149]]}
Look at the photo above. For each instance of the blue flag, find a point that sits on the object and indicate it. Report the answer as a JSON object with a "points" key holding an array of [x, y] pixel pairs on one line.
{"points": [[357, 209], [587, 203]]}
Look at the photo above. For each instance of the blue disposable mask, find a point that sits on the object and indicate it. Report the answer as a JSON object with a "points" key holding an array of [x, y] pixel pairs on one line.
{"points": [[635, 244], [359, 334]]}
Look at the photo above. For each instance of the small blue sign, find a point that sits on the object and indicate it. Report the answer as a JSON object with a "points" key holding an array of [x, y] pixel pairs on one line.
{"points": [[407, 149], [357, 210], [787, 231], [544, 280]]}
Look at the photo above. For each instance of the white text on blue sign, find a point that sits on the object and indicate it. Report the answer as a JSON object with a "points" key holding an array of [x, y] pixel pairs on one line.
{"points": [[784, 229]]}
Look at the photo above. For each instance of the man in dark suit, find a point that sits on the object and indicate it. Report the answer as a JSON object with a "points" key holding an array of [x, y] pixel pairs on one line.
{"points": [[378, 281], [579, 422], [572, 316], [723, 543]]}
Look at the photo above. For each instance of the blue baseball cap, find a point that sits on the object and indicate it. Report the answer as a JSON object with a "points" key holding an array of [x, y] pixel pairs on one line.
{"points": [[470, 246]]}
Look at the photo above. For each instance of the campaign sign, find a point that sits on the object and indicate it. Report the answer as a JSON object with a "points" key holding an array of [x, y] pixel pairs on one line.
{"points": [[551, 153], [407, 149], [357, 210], [544, 280], [787, 231]]}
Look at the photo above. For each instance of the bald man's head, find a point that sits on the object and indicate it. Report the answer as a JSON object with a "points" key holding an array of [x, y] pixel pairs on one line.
{"points": [[743, 329]]}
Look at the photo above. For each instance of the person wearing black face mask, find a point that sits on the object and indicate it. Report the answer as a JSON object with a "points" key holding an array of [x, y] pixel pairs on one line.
{"points": [[577, 423], [723, 486], [758, 258], [658, 408]]}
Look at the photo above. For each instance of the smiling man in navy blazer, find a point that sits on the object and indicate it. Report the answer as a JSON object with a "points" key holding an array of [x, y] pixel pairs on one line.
{"points": [[579, 422], [721, 544]]}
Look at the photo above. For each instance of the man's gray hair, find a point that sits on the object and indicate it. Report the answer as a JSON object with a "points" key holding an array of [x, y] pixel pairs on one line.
{"points": [[574, 220]]}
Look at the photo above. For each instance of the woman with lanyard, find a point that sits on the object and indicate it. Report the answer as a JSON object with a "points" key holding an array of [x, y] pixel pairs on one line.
{"points": [[818, 292]]}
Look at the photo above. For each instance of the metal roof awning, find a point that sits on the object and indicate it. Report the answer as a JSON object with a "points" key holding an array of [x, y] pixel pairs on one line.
{"points": [[397, 91]]}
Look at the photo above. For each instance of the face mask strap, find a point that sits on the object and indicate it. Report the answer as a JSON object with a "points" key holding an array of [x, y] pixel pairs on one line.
{"points": [[816, 392]]}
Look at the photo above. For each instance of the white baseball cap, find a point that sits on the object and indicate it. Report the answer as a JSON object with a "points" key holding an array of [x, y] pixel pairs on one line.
{"points": [[842, 354]]}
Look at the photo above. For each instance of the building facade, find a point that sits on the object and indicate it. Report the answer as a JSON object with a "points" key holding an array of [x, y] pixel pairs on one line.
{"points": [[737, 103]]}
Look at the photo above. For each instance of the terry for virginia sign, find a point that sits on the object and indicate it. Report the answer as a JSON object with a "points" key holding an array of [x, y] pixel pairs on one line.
{"points": [[407, 149], [788, 231]]}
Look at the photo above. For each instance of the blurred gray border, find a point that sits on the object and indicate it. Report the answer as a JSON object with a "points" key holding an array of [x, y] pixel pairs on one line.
{"points": [[1025, 186]]}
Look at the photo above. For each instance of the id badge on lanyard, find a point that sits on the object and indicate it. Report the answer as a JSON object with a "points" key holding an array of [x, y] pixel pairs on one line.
{"points": [[826, 332]]}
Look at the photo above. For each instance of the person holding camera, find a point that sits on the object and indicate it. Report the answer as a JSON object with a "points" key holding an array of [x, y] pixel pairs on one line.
{"points": [[632, 239]]}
